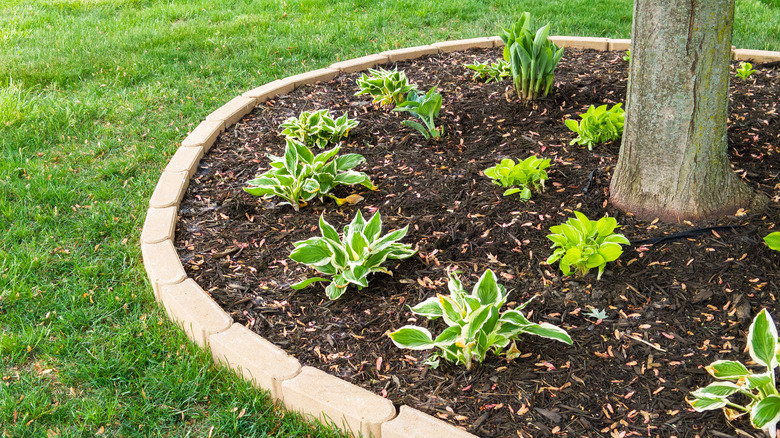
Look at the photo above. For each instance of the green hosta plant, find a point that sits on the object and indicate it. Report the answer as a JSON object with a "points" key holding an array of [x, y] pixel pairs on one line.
{"points": [[598, 125], [745, 70], [532, 58], [585, 244], [772, 240], [350, 258], [521, 177], [475, 324], [299, 175], [733, 377], [317, 128], [387, 87], [627, 56], [426, 107], [489, 72]]}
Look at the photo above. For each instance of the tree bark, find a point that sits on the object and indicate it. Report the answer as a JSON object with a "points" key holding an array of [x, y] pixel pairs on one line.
{"points": [[673, 162]]}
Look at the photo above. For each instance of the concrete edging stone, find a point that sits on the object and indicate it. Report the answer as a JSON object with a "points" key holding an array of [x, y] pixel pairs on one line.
{"points": [[304, 389]]}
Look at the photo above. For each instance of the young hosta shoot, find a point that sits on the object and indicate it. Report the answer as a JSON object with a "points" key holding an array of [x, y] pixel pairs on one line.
{"points": [[521, 177], [426, 107], [733, 377], [349, 258], [387, 87], [585, 244], [627, 56], [532, 58], [598, 125], [745, 70], [489, 72], [300, 175], [317, 128], [475, 324], [772, 240]]}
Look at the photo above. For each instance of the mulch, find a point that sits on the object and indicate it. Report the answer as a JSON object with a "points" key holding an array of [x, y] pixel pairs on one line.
{"points": [[673, 306]]}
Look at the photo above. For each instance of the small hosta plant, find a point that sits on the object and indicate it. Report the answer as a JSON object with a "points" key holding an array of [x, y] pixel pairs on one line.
{"points": [[317, 128], [745, 70], [582, 244], [426, 107], [475, 324], [532, 58], [299, 175], [520, 177], [491, 71], [627, 56], [757, 389], [772, 240], [351, 257], [598, 125], [387, 87]]}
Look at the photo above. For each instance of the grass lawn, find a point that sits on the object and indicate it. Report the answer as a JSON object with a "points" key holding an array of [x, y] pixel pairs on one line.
{"points": [[95, 96]]}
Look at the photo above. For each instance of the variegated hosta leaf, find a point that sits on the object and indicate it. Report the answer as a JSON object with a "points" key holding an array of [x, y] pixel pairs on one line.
{"points": [[766, 413], [727, 370], [549, 331], [762, 340], [429, 308], [707, 403], [412, 337], [759, 380], [716, 389]]}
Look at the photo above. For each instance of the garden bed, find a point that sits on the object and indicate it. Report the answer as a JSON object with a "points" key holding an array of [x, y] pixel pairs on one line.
{"points": [[673, 306]]}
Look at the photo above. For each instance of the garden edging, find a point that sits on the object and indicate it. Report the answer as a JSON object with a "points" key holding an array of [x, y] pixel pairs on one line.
{"points": [[300, 388]]}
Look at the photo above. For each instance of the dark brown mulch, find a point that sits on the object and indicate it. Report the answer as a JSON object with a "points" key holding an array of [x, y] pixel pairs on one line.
{"points": [[673, 307]]}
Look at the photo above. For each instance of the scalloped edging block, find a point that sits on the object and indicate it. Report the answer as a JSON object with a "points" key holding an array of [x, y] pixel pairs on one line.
{"points": [[581, 42], [759, 56], [160, 224], [619, 44], [314, 76], [330, 399], [270, 90], [204, 134], [162, 265], [234, 110], [170, 189], [186, 159], [461, 45], [255, 358], [411, 423], [194, 310], [360, 64], [408, 53]]}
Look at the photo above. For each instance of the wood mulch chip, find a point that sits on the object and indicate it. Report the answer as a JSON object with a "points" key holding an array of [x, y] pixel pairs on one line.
{"points": [[673, 307]]}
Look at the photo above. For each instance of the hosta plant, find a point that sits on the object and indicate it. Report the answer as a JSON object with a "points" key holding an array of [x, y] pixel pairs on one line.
{"points": [[299, 175], [757, 389], [475, 323], [598, 125], [627, 56], [745, 70], [492, 71], [387, 87], [772, 240], [426, 107], [583, 244], [532, 58], [351, 257], [317, 128], [520, 177]]}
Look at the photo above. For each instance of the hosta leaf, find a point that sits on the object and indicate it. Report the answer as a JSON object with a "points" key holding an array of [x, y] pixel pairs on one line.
{"points": [[514, 317], [486, 289], [316, 253], [773, 240], [477, 319], [308, 281], [451, 311], [348, 161], [707, 403], [549, 331], [389, 239], [412, 337], [727, 370], [758, 380], [373, 227], [429, 308], [610, 251], [762, 340], [717, 389], [448, 336], [334, 291], [766, 413]]}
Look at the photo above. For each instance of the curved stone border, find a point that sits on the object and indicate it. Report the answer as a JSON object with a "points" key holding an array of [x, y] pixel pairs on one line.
{"points": [[301, 388]]}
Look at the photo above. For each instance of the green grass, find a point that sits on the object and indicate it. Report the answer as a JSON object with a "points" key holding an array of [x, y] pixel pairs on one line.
{"points": [[94, 98]]}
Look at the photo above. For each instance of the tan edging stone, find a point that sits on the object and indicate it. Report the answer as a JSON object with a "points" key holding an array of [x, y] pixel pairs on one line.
{"points": [[234, 110], [204, 134], [258, 360], [160, 224], [360, 64], [303, 389], [408, 53], [411, 423], [194, 310], [162, 265], [330, 399]]}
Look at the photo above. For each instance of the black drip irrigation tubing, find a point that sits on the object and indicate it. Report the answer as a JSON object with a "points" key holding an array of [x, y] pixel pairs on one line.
{"points": [[684, 235]]}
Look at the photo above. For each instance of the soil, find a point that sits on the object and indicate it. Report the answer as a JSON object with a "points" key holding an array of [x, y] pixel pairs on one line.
{"points": [[673, 306]]}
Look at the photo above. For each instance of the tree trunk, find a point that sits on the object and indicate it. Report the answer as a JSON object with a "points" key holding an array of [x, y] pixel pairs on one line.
{"points": [[673, 162]]}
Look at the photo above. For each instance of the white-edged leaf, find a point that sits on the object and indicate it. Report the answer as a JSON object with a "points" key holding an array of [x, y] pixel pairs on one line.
{"points": [[716, 389], [412, 337], [707, 403], [727, 370], [549, 331], [766, 413], [429, 308], [762, 340]]}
